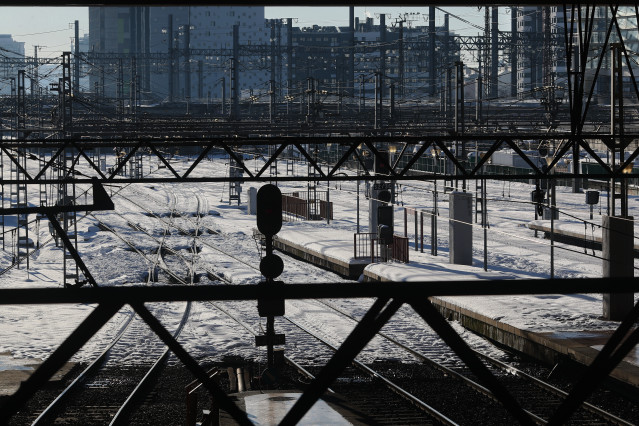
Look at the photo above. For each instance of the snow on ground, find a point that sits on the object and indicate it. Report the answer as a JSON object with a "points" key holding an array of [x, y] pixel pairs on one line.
{"points": [[513, 251]]}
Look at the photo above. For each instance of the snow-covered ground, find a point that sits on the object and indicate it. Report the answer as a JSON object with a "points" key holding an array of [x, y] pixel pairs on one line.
{"points": [[33, 331]]}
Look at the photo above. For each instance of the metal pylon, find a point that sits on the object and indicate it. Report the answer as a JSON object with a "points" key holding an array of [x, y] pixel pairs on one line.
{"points": [[66, 196], [618, 187], [19, 200], [43, 187], [2, 196], [235, 170], [311, 196]]}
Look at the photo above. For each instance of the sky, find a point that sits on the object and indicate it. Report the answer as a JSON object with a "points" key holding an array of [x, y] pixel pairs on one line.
{"points": [[52, 27]]}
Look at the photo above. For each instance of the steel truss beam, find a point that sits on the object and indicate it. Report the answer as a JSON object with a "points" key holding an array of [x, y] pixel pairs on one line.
{"points": [[412, 149], [390, 297]]}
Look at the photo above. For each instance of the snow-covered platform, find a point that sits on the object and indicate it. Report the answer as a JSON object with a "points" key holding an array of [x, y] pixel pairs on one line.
{"points": [[587, 235], [332, 251], [269, 408], [547, 327]]}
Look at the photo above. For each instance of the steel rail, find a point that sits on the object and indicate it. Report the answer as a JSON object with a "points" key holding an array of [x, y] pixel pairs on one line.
{"points": [[45, 415], [501, 365], [120, 416], [395, 388], [98, 362], [292, 362], [288, 359]]}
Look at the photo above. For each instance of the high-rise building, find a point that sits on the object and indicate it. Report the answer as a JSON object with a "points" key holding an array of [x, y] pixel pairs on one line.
{"points": [[11, 57], [154, 34]]}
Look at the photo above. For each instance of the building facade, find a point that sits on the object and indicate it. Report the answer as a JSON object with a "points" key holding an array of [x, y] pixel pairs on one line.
{"points": [[174, 53], [11, 60]]}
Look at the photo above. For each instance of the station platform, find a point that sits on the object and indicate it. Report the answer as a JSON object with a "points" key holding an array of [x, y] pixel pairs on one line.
{"points": [[579, 234], [13, 371], [268, 408], [318, 248], [547, 327]]}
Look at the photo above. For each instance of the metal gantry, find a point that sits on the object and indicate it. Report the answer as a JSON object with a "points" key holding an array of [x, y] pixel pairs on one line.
{"points": [[571, 129], [389, 298]]}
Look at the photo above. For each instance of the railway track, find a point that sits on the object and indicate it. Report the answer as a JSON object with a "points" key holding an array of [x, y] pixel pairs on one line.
{"points": [[417, 415], [404, 381], [537, 397], [109, 388]]}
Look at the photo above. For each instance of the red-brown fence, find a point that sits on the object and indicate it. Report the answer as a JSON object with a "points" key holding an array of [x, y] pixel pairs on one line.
{"points": [[400, 249], [310, 205], [366, 245]]}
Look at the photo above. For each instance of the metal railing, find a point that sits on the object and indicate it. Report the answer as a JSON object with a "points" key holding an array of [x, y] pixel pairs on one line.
{"points": [[366, 245], [400, 249], [306, 205], [389, 298]]}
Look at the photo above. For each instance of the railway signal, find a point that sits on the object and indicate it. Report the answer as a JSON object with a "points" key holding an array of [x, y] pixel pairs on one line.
{"points": [[269, 210], [382, 163], [269, 223]]}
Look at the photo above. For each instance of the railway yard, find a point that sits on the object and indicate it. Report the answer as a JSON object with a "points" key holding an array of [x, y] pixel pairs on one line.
{"points": [[192, 234], [377, 224]]}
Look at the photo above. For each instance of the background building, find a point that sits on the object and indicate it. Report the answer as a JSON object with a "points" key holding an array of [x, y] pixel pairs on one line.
{"points": [[11, 60], [198, 40]]}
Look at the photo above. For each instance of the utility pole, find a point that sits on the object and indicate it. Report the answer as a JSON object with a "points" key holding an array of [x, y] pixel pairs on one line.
{"points": [[459, 99], [289, 55], [351, 52], [382, 50], [76, 68], [400, 63], [235, 90], [120, 104], [170, 46], [36, 66], [494, 50], [617, 132], [431, 51], [147, 49], [273, 57], [479, 93], [486, 54], [21, 103], [279, 58], [271, 109], [379, 100], [513, 51], [187, 61]]}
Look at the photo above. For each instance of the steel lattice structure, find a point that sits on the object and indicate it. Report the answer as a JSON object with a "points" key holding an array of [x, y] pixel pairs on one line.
{"points": [[575, 133]]}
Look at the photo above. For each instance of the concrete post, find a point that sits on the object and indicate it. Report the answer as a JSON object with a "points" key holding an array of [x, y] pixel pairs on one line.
{"points": [[460, 228], [618, 261], [252, 201]]}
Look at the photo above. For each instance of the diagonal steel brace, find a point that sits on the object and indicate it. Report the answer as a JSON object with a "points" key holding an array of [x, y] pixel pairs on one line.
{"points": [[200, 373], [376, 317], [428, 312], [76, 340]]}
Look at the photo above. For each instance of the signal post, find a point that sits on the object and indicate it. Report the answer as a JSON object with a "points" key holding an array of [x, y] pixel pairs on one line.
{"points": [[269, 223]]}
